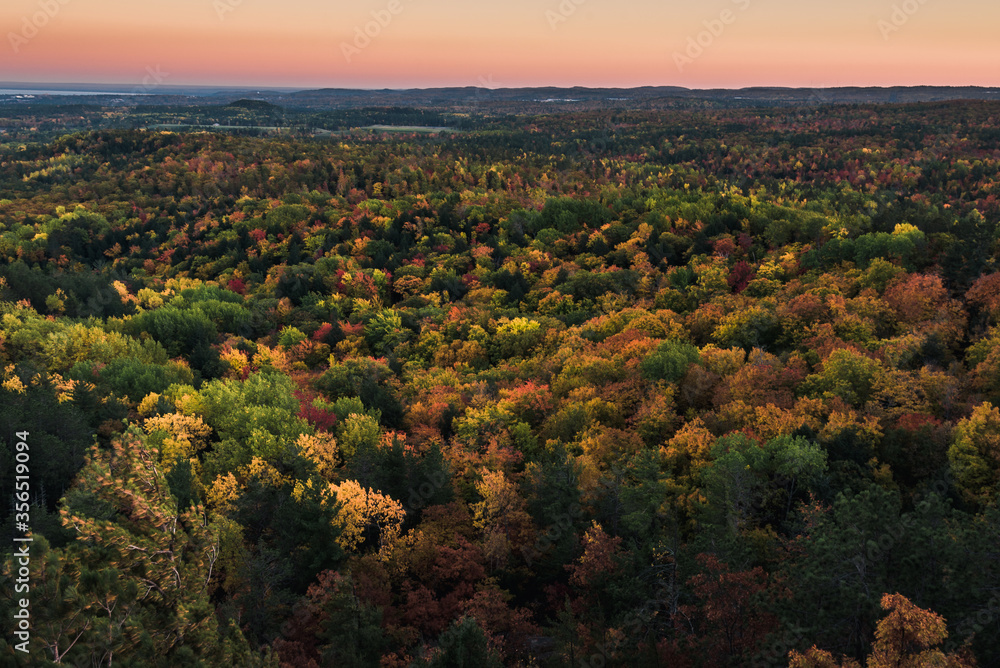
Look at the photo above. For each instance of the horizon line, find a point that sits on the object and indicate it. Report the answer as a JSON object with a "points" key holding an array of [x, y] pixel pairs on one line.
{"points": [[56, 86]]}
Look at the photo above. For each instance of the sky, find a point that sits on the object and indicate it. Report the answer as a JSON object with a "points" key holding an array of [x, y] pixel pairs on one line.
{"points": [[502, 43]]}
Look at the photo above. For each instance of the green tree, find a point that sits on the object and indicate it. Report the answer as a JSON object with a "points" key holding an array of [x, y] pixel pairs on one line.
{"points": [[843, 564], [670, 361], [368, 379], [846, 374], [253, 418], [464, 645], [58, 438], [133, 588], [183, 332], [975, 453], [750, 484]]}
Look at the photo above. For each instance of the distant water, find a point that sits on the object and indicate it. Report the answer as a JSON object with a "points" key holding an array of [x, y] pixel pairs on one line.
{"points": [[15, 91]]}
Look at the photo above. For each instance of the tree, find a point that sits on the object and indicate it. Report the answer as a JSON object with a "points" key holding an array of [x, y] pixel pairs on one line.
{"points": [[370, 380], [670, 361], [985, 293], [842, 559], [516, 338], [905, 638], [464, 645], [384, 332], [731, 619], [146, 568], [596, 565], [975, 453], [59, 437], [187, 332], [367, 517], [330, 625], [253, 418], [59, 614], [751, 484], [501, 516], [846, 374], [134, 379], [180, 437]]}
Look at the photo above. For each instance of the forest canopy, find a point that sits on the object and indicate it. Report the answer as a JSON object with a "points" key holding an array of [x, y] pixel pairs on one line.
{"points": [[685, 388]]}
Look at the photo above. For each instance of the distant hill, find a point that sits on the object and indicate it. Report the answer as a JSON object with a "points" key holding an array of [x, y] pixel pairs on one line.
{"points": [[255, 105], [646, 97], [525, 100]]}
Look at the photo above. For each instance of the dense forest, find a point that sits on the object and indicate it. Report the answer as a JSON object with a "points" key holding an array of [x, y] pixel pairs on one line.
{"points": [[686, 388]]}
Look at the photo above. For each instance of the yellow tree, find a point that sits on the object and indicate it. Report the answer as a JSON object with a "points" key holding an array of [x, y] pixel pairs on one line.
{"points": [[975, 453], [321, 449], [182, 436], [367, 516], [501, 516], [905, 638]]}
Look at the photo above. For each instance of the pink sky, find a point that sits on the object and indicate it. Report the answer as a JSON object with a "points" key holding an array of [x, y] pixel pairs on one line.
{"points": [[504, 43]]}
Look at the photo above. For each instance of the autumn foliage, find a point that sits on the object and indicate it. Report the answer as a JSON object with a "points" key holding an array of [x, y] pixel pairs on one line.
{"points": [[720, 392]]}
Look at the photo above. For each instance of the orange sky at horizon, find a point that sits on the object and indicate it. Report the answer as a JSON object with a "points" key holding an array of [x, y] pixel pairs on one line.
{"points": [[427, 43]]}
